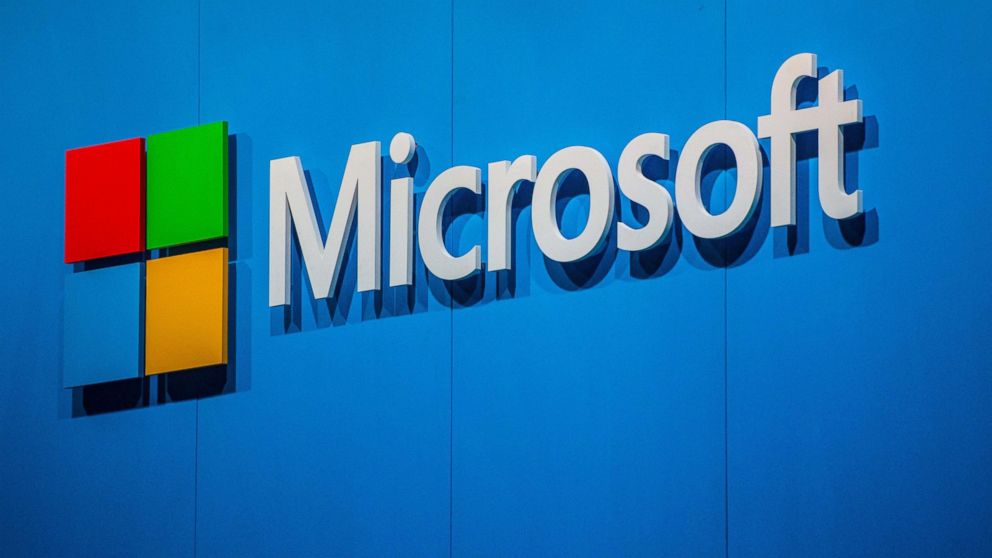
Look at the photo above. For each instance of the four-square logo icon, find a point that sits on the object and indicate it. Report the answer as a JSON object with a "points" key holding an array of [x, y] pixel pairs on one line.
{"points": [[142, 221]]}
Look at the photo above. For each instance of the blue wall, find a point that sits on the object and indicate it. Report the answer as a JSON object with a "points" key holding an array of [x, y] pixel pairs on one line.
{"points": [[826, 394]]}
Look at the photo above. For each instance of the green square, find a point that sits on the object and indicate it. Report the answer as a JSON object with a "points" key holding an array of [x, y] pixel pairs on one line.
{"points": [[187, 185]]}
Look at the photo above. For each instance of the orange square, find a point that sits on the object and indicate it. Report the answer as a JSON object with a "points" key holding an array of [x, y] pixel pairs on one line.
{"points": [[186, 311]]}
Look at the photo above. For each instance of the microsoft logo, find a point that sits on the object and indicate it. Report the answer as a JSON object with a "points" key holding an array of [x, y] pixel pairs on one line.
{"points": [[145, 226]]}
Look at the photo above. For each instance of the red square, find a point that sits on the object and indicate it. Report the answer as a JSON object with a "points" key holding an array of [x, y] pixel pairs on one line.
{"points": [[105, 200]]}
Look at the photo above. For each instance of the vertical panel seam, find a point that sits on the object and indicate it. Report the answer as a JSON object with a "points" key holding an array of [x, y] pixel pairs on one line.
{"points": [[726, 347], [451, 317], [196, 421], [198, 50]]}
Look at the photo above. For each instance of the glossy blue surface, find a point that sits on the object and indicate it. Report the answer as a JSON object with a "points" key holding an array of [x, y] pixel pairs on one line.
{"points": [[103, 323], [824, 394]]}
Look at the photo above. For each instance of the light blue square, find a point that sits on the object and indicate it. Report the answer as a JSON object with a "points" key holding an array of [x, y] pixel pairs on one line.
{"points": [[103, 314]]}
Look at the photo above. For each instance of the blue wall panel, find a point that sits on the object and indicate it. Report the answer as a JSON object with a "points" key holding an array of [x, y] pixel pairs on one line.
{"points": [[575, 388], [343, 433], [117, 484], [859, 384], [821, 395]]}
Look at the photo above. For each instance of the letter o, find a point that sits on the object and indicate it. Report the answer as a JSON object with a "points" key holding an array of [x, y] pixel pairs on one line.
{"points": [[596, 169], [688, 198]]}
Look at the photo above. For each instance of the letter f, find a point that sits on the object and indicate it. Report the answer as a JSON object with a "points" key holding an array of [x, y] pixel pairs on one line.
{"points": [[827, 119]]}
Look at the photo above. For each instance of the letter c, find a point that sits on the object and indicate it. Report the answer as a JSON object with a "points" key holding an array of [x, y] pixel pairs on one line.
{"points": [[430, 235]]}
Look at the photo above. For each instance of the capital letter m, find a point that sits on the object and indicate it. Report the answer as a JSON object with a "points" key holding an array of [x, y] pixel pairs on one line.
{"points": [[290, 202]]}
